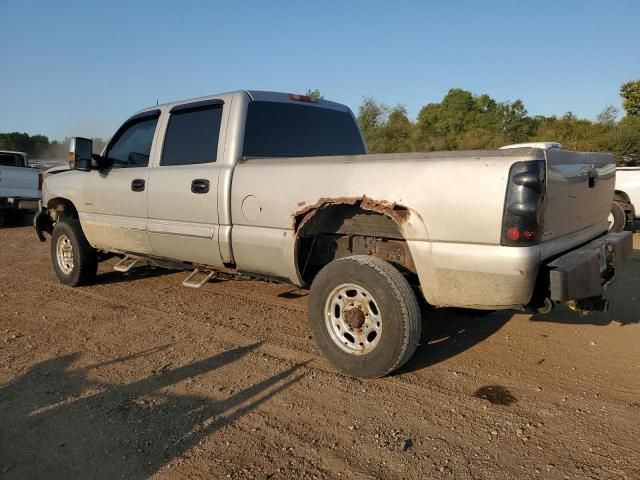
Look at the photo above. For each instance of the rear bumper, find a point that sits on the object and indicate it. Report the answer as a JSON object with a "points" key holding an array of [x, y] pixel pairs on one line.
{"points": [[14, 203], [586, 272], [486, 277], [497, 277]]}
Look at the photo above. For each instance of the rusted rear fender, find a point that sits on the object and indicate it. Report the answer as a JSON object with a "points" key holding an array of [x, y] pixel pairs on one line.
{"points": [[398, 213]]}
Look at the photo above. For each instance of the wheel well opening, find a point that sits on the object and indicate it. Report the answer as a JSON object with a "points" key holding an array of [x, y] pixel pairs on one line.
{"points": [[335, 231], [63, 208], [620, 196]]}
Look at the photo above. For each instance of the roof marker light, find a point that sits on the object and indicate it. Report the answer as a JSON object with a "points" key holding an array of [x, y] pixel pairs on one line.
{"points": [[302, 98]]}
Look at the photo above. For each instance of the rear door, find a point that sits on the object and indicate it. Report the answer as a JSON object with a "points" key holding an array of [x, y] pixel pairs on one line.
{"points": [[580, 190], [183, 185]]}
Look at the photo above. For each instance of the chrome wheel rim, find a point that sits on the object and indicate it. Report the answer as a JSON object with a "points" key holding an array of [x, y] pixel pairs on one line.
{"points": [[610, 219], [353, 319], [64, 254]]}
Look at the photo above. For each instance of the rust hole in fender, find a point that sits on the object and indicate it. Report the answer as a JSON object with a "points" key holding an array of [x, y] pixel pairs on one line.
{"points": [[398, 213]]}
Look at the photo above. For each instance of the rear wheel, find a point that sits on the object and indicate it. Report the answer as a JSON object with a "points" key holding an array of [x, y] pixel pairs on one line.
{"points": [[364, 316], [617, 218], [74, 260]]}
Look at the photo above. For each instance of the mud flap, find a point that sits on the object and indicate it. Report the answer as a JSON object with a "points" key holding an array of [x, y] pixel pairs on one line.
{"points": [[42, 223]]}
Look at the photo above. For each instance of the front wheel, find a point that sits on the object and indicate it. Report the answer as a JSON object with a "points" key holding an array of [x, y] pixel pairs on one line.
{"points": [[364, 316], [74, 260]]}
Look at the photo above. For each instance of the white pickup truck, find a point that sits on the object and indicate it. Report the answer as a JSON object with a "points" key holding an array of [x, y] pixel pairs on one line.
{"points": [[280, 186], [627, 197], [19, 184]]}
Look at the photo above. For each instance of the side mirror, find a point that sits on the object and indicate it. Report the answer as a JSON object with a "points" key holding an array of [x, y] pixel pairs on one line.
{"points": [[80, 154]]}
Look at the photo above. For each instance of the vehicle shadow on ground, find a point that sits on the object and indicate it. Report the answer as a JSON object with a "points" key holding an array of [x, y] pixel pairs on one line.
{"points": [[13, 220], [446, 332], [620, 312], [294, 293], [58, 423]]}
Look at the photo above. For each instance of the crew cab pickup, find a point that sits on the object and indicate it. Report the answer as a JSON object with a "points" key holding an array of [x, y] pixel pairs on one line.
{"points": [[280, 186], [19, 184]]}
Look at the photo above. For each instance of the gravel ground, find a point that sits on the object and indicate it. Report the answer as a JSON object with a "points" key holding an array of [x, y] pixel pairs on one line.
{"points": [[138, 377]]}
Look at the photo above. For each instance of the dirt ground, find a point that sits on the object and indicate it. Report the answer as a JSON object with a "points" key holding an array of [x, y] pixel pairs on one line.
{"points": [[138, 377]]}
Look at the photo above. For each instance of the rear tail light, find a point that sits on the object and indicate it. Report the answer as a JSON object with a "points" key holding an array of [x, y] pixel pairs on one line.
{"points": [[302, 98], [522, 217], [39, 181]]}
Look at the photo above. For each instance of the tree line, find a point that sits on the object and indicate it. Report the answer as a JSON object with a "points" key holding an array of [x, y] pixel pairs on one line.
{"points": [[465, 121], [461, 121], [39, 146]]}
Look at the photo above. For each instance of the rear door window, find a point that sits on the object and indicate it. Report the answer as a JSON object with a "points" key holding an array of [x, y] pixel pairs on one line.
{"points": [[290, 130], [192, 136], [9, 160]]}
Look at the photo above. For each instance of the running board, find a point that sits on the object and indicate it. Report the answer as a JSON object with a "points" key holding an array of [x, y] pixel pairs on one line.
{"points": [[189, 282], [126, 264]]}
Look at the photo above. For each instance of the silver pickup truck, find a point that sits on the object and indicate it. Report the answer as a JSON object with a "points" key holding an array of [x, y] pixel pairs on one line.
{"points": [[280, 186]]}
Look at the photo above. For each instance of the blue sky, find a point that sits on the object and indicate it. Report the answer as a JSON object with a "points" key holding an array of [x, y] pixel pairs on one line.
{"points": [[80, 68]]}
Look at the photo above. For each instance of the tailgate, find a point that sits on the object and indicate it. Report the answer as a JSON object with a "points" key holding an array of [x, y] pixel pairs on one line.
{"points": [[580, 190], [19, 182]]}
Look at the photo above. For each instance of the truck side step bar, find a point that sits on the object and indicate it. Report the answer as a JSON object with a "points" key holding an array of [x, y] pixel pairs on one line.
{"points": [[127, 263], [191, 283]]}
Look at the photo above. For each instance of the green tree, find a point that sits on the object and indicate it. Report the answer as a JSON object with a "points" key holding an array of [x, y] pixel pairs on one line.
{"points": [[465, 120], [630, 93], [371, 118], [513, 123], [623, 140], [395, 134], [315, 93], [608, 116]]}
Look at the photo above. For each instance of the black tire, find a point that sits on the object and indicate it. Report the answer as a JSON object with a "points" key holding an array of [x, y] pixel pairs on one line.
{"points": [[85, 258], [619, 218], [395, 302]]}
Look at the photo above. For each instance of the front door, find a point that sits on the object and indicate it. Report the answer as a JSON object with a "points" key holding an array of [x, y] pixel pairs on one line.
{"points": [[114, 216], [183, 186]]}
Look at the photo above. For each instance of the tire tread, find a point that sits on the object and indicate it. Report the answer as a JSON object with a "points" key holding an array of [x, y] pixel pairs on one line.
{"points": [[407, 299], [400, 289], [87, 260]]}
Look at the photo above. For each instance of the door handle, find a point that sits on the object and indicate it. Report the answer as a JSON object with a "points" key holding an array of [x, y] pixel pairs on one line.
{"points": [[200, 185], [137, 185], [592, 178]]}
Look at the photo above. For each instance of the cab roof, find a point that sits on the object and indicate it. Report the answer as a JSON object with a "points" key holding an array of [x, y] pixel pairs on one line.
{"points": [[254, 95]]}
